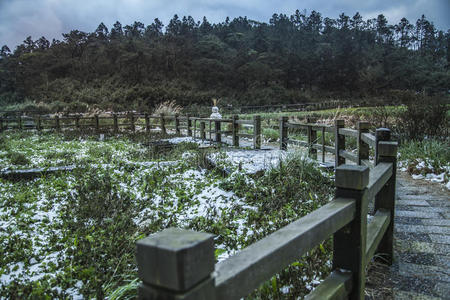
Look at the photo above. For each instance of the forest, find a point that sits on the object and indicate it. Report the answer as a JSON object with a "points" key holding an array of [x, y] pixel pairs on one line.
{"points": [[291, 59]]}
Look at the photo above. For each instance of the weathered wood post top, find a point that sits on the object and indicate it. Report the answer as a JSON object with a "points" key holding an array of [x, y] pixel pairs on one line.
{"points": [[176, 264]]}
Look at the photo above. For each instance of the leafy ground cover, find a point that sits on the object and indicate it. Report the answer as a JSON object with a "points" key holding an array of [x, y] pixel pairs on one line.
{"points": [[427, 159], [73, 234]]}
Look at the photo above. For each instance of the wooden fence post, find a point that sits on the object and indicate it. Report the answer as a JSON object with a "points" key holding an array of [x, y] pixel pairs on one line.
{"points": [[177, 124], [202, 130], [38, 123], [363, 148], [97, 123], [1, 125], [217, 131], [116, 124], [349, 243], [77, 122], [163, 124], [257, 132], [57, 123], [176, 264], [133, 127], [323, 144], [20, 122], [312, 138], [147, 123], [189, 125], [235, 131], [283, 133], [381, 134], [339, 142], [385, 199]]}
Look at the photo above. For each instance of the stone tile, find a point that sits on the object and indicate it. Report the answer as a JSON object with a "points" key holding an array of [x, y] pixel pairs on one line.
{"points": [[411, 202], [442, 289], [417, 214], [422, 229], [440, 238], [431, 209], [442, 249], [402, 246], [439, 203], [406, 295], [412, 236], [417, 285], [433, 273], [409, 221], [437, 222], [417, 258], [443, 261]]}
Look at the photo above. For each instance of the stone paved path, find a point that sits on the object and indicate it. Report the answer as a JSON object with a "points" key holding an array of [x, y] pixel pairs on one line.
{"points": [[422, 240]]}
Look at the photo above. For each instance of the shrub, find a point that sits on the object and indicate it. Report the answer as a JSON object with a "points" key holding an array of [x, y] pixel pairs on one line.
{"points": [[424, 117], [168, 108], [18, 159]]}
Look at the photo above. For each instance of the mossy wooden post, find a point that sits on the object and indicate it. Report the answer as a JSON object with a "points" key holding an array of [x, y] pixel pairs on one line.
{"points": [[385, 199], [147, 123], [349, 243], [323, 144], [162, 124], [176, 264], [132, 121], [381, 134], [339, 142], [58, 128], [312, 138], [235, 130], [177, 124], [77, 122], [116, 124], [38, 123], [1, 125], [189, 125], [363, 148], [256, 132], [283, 133], [202, 130], [217, 126], [20, 122], [97, 123]]}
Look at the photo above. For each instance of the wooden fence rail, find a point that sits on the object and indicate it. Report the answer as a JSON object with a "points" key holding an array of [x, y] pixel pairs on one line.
{"points": [[179, 264], [188, 125]]}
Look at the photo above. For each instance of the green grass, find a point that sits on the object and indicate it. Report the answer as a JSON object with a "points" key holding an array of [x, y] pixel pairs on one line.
{"points": [[427, 156], [74, 233]]}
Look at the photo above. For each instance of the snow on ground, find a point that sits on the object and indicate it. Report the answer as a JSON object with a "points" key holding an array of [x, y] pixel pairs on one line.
{"points": [[427, 172]]}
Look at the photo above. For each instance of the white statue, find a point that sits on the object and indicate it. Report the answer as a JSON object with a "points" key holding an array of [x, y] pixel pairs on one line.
{"points": [[215, 110]]}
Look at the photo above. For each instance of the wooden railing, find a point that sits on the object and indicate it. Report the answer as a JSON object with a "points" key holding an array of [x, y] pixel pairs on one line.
{"points": [[179, 264], [203, 128]]}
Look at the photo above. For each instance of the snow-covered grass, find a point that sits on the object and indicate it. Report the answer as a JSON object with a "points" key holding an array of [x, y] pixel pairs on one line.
{"points": [[73, 234], [427, 159]]}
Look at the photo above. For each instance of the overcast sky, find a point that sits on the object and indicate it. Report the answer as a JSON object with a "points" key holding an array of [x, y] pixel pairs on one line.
{"points": [[51, 18]]}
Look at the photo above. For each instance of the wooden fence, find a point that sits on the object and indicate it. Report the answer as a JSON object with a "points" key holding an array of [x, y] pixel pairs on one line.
{"points": [[179, 264], [203, 128]]}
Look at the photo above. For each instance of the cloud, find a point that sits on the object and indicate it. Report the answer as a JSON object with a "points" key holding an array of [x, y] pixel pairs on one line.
{"points": [[51, 18]]}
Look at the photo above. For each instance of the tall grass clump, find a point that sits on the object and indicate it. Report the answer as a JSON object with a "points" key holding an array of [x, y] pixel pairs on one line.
{"points": [[168, 108]]}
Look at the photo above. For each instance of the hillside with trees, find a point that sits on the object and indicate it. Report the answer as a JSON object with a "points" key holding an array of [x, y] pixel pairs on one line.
{"points": [[290, 59]]}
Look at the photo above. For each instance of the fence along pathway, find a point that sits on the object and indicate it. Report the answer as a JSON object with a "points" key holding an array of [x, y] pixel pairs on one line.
{"points": [[179, 264]]}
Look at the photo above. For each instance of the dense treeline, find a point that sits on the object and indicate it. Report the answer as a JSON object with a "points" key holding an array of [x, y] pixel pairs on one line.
{"points": [[288, 60]]}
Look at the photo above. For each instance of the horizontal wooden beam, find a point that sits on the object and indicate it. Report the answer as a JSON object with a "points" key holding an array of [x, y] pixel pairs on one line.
{"points": [[348, 132], [377, 178], [297, 142], [245, 135], [348, 155], [244, 122], [368, 138], [375, 231], [242, 273], [367, 163], [337, 286]]}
